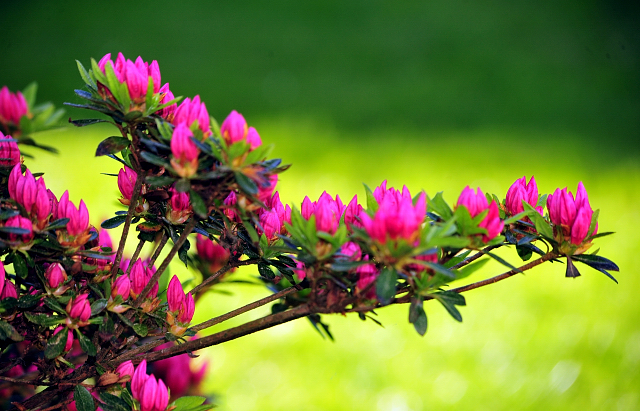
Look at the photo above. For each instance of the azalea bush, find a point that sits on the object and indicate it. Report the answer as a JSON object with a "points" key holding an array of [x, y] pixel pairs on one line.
{"points": [[87, 326]]}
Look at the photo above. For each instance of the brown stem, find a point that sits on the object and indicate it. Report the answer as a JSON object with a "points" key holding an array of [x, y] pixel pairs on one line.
{"points": [[474, 257], [135, 255], [21, 381], [59, 405], [221, 271], [127, 222], [228, 335], [246, 308], [165, 263], [159, 248]]}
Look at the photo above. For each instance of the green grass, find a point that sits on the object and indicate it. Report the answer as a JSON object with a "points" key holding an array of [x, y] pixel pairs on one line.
{"points": [[535, 341]]}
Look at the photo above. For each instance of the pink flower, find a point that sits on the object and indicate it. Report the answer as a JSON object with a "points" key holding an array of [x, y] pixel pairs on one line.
{"points": [[234, 128], [193, 111], [78, 217], [126, 183], [125, 369], [150, 393], [229, 211], [521, 190], [571, 217], [8, 290], [22, 241], [121, 287], [181, 307], [168, 112], [351, 250], [180, 383], [55, 275], [179, 207], [270, 223], [32, 195], [396, 217], [352, 213], [12, 106], [69, 344], [212, 253], [266, 191], [135, 75], [367, 274], [79, 308], [326, 210], [476, 202], [185, 152], [175, 294], [9, 152], [140, 276]]}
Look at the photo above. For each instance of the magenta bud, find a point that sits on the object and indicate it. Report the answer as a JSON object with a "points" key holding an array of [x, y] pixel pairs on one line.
{"points": [[12, 106], [79, 308], [175, 294], [475, 202], [121, 287], [179, 208], [9, 152], [20, 222], [168, 112], [492, 223], [126, 182], [55, 275], [571, 217], [138, 277], [193, 111], [125, 368], [270, 224], [69, 344], [78, 217], [521, 190], [139, 379], [187, 310], [351, 250], [234, 128]]}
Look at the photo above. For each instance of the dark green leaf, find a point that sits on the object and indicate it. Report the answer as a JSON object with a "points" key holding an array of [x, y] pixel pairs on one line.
{"points": [[59, 223], [54, 305], [86, 344], [246, 184], [14, 230], [439, 206], [542, 226], [417, 316], [159, 181], [56, 344], [98, 306], [449, 300], [8, 303], [83, 399], [198, 204], [113, 222], [8, 332], [386, 285], [191, 404], [265, 271], [112, 403], [28, 301], [183, 185], [87, 122], [471, 268], [140, 329], [154, 159], [598, 263], [44, 319], [503, 261], [516, 217], [112, 145]]}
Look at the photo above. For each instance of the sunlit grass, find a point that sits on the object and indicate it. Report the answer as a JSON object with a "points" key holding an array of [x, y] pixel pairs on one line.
{"points": [[535, 341]]}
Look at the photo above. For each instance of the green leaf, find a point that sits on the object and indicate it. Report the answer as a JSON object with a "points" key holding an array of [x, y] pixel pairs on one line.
{"points": [[183, 185], [439, 206], [113, 222], [517, 217], [14, 230], [246, 184], [265, 271], [191, 403], [198, 204], [45, 319], [594, 222], [56, 344], [386, 285], [27, 301], [29, 94], [8, 332], [20, 266], [503, 262], [155, 160], [542, 226], [54, 305], [449, 300], [85, 76], [417, 316], [598, 263], [140, 329], [98, 306], [86, 344], [83, 399], [113, 403], [57, 224], [372, 203], [159, 181], [112, 145], [470, 268]]}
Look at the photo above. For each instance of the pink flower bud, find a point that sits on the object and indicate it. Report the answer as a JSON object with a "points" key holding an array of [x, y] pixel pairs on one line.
{"points": [[351, 250], [521, 190], [2, 277], [185, 152], [266, 191], [187, 309], [253, 138], [475, 202], [352, 212], [168, 112], [179, 207], [234, 128], [138, 277], [492, 223], [214, 254], [193, 111], [125, 368], [270, 223], [78, 217], [229, 202], [121, 287], [55, 275], [8, 290], [138, 380], [20, 222], [9, 152], [69, 344], [135, 75], [571, 217], [126, 182], [12, 106], [79, 308], [367, 274], [175, 294]]}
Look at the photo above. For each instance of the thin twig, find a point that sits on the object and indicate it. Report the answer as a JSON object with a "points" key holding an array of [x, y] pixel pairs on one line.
{"points": [[159, 248], [127, 222], [474, 257], [221, 271], [246, 308], [135, 255], [165, 263]]}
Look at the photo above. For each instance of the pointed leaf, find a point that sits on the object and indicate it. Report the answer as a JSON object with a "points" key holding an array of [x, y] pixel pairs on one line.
{"points": [[56, 344], [82, 398], [386, 285], [112, 145]]}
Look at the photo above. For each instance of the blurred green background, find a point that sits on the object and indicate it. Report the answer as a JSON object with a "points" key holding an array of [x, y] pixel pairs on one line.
{"points": [[435, 95]]}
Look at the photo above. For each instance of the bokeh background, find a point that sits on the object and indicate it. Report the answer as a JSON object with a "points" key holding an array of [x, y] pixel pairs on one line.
{"points": [[435, 95]]}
